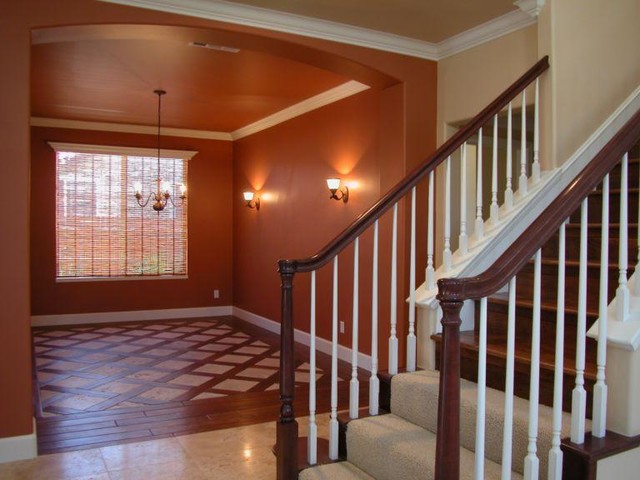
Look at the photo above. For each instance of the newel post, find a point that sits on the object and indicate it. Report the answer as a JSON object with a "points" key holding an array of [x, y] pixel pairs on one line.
{"points": [[448, 437], [287, 428]]}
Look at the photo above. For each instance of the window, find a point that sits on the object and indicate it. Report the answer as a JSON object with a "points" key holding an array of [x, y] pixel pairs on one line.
{"points": [[101, 231]]}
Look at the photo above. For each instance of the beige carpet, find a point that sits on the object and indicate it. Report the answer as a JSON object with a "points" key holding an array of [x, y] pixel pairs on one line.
{"points": [[402, 445]]}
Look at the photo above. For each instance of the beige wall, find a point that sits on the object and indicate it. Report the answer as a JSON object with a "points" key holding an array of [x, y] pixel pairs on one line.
{"points": [[595, 65], [623, 466], [469, 81]]}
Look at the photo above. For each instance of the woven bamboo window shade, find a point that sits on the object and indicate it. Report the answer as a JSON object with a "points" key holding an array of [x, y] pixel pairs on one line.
{"points": [[101, 231]]}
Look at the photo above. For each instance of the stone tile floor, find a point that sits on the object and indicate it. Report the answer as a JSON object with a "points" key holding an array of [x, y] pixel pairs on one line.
{"points": [[236, 453]]}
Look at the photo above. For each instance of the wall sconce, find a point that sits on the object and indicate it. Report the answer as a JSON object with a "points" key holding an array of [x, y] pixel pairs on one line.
{"points": [[334, 187], [252, 200]]}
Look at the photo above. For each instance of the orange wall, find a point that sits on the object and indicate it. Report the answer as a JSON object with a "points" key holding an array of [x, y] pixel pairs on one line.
{"points": [[417, 139], [287, 166], [210, 226]]}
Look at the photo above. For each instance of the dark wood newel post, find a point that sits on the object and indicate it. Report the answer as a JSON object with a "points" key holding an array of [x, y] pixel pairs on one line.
{"points": [[287, 428], [448, 438]]}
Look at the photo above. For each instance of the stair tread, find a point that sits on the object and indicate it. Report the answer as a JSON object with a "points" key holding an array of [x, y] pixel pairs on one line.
{"points": [[415, 398], [574, 225], [372, 441], [497, 346], [544, 305], [334, 471]]}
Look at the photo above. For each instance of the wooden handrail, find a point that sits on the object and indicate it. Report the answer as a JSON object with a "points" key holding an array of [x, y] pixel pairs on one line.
{"points": [[448, 445], [452, 292], [367, 219], [539, 232]]}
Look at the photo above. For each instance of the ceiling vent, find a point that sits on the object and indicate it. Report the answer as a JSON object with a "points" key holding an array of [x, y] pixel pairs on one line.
{"points": [[213, 46]]}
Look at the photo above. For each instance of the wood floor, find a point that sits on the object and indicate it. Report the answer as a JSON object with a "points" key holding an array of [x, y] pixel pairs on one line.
{"points": [[102, 385]]}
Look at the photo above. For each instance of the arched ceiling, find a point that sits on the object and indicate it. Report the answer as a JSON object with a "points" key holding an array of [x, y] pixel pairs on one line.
{"points": [[107, 73]]}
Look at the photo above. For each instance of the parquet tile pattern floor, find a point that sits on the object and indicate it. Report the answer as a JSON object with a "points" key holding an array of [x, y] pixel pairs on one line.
{"points": [[104, 384]]}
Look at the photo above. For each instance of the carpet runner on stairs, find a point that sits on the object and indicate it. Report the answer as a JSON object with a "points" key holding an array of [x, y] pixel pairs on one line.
{"points": [[401, 445]]}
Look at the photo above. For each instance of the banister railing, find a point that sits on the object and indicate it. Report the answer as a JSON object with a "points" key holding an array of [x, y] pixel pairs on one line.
{"points": [[365, 220], [287, 428], [454, 291]]}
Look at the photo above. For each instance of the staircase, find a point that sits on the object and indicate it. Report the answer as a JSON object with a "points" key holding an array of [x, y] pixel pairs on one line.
{"points": [[500, 399], [497, 308], [402, 444]]}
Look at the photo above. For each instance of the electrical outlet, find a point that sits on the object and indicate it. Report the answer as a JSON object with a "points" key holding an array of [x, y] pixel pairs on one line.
{"points": [[341, 326], [216, 294]]}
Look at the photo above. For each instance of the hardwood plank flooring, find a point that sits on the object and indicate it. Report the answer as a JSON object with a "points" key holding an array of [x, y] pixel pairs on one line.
{"points": [[100, 385]]}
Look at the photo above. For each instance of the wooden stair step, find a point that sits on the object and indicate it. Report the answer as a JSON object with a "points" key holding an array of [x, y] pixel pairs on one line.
{"points": [[497, 312], [496, 367]]}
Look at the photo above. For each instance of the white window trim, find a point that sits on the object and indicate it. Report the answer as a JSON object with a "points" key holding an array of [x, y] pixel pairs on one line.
{"points": [[129, 151]]}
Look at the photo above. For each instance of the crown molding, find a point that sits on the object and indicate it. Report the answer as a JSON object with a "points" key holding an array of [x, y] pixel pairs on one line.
{"points": [[127, 128], [531, 7], [325, 98], [484, 33], [264, 18]]}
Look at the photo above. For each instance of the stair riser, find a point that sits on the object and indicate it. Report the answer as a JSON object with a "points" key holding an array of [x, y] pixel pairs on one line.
{"points": [[594, 210], [497, 315], [572, 251], [496, 368], [549, 282], [615, 174]]}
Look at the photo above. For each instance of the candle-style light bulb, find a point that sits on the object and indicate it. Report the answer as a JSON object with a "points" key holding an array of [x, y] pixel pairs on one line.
{"points": [[137, 186]]}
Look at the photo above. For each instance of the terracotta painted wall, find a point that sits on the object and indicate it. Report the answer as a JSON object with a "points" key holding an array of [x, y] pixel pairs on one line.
{"points": [[287, 166], [210, 226], [417, 139]]}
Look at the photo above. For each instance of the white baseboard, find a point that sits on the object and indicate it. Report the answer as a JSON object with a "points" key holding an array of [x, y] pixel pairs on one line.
{"points": [[22, 447], [323, 345], [128, 316]]}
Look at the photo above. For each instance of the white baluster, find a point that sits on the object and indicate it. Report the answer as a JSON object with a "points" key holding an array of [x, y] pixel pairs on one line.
{"points": [[579, 397], [431, 272], [535, 167], [482, 392], [622, 293], [494, 174], [333, 422], [411, 337], [463, 239], [354, 384], [312, 440], [599, 423], [374, 382], [531, 462], [555, 454], [393, 339], [446, 254], [522, 180], [507, 434], [508, 192], [479, 228]]}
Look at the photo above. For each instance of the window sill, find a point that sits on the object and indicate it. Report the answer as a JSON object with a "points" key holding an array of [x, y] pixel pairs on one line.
{"points": [[120, 279]]}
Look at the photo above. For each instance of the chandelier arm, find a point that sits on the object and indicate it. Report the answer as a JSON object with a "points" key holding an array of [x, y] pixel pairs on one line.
{"points": [[144, 204]]}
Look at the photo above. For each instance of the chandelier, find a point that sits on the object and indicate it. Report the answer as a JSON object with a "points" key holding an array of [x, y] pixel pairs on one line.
{"points": [[162, 196]]}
